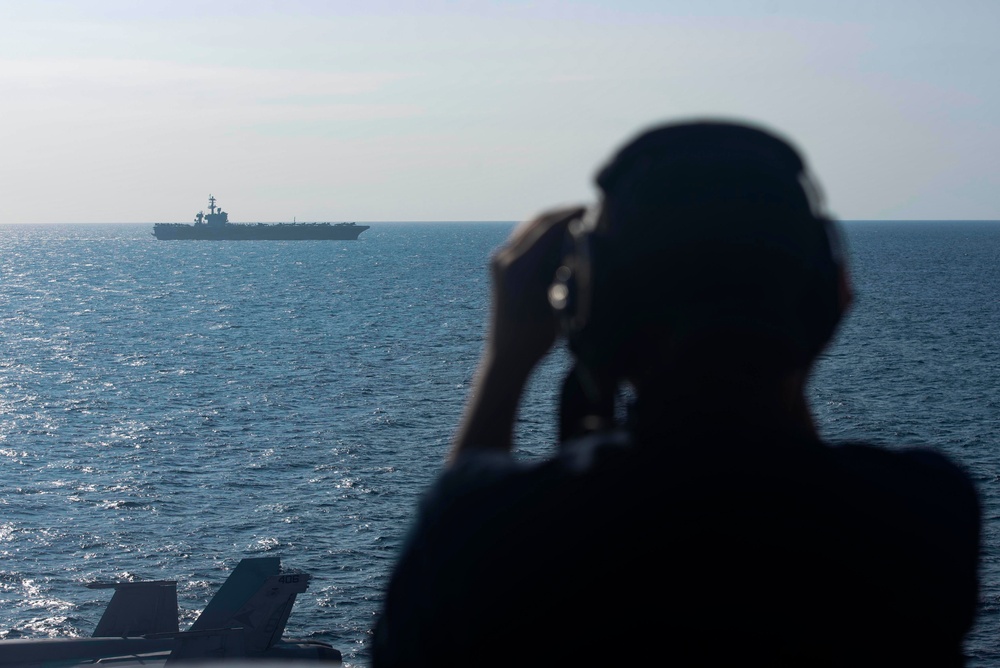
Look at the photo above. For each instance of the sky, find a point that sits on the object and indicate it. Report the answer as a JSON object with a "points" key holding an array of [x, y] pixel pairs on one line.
{"points": [[114, 111]]}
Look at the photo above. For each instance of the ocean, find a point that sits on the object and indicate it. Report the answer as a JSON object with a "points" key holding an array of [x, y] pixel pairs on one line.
{"points": [[167, 408]]}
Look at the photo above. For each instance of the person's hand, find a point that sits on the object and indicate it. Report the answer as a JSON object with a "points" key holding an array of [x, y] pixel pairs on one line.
{"points": [[523, 326], [522, 330]]}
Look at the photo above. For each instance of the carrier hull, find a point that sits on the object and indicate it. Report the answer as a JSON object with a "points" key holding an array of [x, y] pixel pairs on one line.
{"points": [[261, 232]]}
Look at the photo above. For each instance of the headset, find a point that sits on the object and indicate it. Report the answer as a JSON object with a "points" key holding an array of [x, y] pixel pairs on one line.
{"points": [[673, 198]]}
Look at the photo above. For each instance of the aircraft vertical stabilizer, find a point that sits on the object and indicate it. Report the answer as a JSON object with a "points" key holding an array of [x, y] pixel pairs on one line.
{"points": [[264, 616], [138, 608], [245, 580]]}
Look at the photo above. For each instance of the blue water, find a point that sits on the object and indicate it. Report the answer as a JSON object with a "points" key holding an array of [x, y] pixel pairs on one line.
{"points": [[167, 408]]}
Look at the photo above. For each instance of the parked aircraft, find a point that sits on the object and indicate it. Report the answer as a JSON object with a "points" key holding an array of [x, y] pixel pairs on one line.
{"points": [[244, 620]]}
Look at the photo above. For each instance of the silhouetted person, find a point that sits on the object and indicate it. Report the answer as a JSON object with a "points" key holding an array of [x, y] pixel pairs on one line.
{"points": [[712, 526]]}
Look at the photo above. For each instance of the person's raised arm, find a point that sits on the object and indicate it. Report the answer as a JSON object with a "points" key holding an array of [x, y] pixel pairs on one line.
{"points": [[521, 332]]}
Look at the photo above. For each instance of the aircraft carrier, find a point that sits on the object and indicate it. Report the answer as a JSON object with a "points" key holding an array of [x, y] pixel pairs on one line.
{"points": [[215, 226]]}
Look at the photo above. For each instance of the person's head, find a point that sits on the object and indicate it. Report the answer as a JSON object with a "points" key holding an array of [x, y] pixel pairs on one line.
{"points": [[709, 253]]}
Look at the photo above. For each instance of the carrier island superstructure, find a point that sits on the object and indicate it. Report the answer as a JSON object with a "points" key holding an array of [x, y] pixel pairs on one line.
{"points": [[215, 226]]}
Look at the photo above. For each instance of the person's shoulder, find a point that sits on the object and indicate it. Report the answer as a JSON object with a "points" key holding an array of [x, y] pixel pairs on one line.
{"points": [[914, 463], [920, 477]]}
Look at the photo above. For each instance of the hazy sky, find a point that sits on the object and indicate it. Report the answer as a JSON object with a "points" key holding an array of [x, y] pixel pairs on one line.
{"points": [[135, 111]]}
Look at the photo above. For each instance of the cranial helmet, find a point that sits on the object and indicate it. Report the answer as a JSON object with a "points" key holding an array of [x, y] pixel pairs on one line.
{"points": [[708, 231]]}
